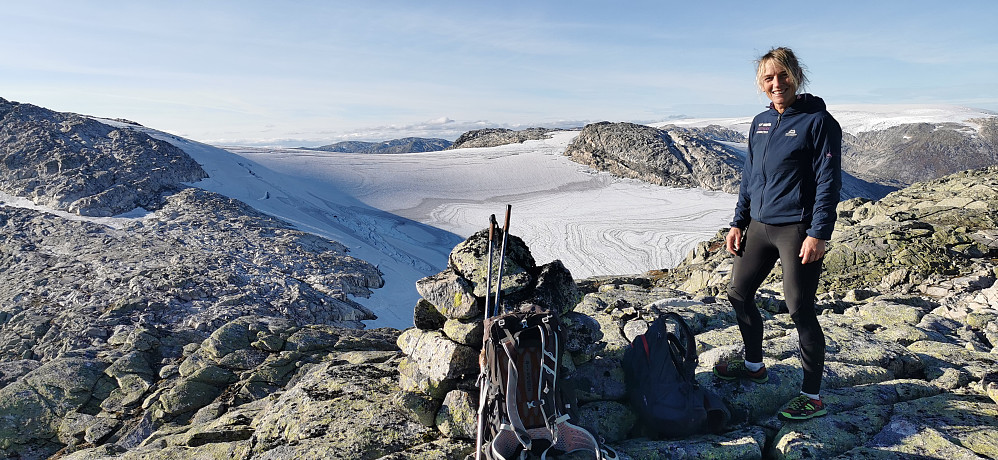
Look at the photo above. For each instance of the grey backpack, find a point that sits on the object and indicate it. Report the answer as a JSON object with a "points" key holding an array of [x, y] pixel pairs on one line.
{"points": [[524, 409]]}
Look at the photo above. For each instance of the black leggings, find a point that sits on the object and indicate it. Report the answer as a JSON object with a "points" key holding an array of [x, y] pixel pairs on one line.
{"points": [[763, 245]]}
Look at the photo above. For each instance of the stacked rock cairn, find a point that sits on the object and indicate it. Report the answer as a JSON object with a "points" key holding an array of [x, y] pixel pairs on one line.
{"points": [[438, 374]]}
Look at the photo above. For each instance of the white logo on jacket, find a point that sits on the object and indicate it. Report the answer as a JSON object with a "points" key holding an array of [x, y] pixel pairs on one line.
{"points": [[792, 133]]}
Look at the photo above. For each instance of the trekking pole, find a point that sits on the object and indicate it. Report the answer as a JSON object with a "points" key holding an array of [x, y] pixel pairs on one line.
{"points": [[481, 373], [502, 257], [488, 274]]}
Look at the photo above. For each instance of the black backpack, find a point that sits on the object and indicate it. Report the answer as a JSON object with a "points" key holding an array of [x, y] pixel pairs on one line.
{"points": [[522, 409], [659, 368]]}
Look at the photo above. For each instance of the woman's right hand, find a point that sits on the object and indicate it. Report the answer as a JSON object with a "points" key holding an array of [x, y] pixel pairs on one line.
{"points": [[733, 242]]}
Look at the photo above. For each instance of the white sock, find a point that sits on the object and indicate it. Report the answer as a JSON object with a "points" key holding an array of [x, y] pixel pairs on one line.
{"points": [[752, 367], [812, 396]]}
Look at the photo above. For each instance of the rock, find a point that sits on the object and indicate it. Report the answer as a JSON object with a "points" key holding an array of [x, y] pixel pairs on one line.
{"points": [[412, 379], [134, 362], [493, 137], [426, 316], [915, 152], [607, 420], [437, 356], [337, 411], [582, 335], [468, 333], [226, 339], [35, 403], [671, 157], [746, 443], [556, 288], [311, 339], [420, 406], [101, 429], [458, 415], [600, 379], [170, 274], [469, 260], [450, 295], [941, 356], [10, 371], [188, 396], [131, 390], [63, 160], [821, 438], [904, 431]]}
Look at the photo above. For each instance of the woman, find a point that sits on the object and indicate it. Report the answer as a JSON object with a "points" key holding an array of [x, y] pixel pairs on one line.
{"points": [[786, 210]]}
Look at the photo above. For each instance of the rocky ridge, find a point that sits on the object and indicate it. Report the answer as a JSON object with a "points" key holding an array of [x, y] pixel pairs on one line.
{"points": [[404, 145], [909, 153], [671, 156], [96, 322], [494, 137], [70, 162]]}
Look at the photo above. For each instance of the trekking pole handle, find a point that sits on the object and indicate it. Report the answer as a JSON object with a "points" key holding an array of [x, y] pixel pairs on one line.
{"points": [[505, 226]]}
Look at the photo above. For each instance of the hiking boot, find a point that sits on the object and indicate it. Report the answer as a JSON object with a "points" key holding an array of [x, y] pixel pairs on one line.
{"points": [[803, 408], [732, 370]]}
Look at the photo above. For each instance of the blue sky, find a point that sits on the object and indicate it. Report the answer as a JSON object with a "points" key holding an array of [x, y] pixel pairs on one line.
{"points": [[313, 72]]}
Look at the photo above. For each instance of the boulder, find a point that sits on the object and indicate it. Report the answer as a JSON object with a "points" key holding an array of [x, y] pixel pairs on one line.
{"points": [[426, 316], [556, 289], [438, 357], [450, 294], [469, 260], [468, 333], [458, 415]]}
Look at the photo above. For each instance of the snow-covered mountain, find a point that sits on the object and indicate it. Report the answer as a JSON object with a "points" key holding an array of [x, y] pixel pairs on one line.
{"points": [[861, 118]]}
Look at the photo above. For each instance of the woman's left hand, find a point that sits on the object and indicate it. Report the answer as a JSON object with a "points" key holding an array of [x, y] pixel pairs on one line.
{"points": [[812, 250]]}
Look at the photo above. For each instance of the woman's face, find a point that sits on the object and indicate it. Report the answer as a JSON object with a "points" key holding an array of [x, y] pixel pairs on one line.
{"points": [[777, 85]]}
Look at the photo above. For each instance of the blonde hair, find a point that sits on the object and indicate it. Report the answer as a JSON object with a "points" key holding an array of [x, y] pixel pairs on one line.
{"points": [[786, 59]]}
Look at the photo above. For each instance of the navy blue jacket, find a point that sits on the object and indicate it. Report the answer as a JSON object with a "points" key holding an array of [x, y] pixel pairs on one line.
{"points": [[793, 170]]}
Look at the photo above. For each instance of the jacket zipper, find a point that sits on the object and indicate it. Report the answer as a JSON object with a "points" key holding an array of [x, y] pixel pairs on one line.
{"points": [[772, 132]]}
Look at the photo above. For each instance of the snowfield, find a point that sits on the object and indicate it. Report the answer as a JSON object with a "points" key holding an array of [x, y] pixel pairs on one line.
{"points": [[594, 223]]}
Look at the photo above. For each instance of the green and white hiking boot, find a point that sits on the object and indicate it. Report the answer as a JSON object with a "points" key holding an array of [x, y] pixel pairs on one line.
{"points": [[803, 408], [736, 369]]}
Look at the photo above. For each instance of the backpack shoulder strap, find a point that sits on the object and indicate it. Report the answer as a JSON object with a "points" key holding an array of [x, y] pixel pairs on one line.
{"points": [[684, 343]]}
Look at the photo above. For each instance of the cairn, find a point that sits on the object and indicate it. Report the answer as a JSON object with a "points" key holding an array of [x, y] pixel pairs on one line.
{"points": [[437, 375]]}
